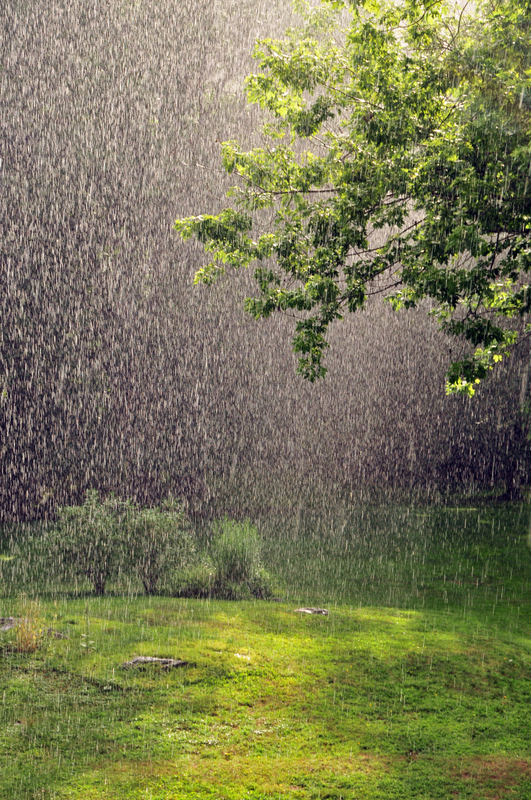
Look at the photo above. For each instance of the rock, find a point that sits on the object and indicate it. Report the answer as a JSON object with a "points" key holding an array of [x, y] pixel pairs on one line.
{"points": [[322, 611], [141, 661], [6, 623]]}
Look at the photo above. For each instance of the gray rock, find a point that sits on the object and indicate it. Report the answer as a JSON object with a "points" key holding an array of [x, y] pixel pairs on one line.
{"points": [[311, 610], [142, 661], [6, 623]]}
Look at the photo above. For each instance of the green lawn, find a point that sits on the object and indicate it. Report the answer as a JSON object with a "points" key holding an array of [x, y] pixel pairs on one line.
{"points": [[416, 685]]}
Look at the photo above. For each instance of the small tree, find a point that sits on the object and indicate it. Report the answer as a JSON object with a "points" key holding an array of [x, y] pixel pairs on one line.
{"points": [[91, 539], [397, 161]]}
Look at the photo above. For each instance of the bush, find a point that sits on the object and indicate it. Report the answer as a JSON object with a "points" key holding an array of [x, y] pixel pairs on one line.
{"points": [[160, 542], [260, 585], [104, 538], [237, 561], [90, 539], [195, 581]]}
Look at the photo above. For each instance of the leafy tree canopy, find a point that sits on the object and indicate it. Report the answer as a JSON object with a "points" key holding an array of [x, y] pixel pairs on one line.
{"points": [[396, 159]]}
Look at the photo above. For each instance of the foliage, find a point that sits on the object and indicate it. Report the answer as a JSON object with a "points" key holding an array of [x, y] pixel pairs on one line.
{"points": [[397, 161], [90, 539], [237, 561], [160, 542], [104, 538], [196, 580]]}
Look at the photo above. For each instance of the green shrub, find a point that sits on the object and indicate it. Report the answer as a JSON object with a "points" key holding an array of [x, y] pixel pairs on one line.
{"points": [[90, 540], [102, 539], [160, 543], [196, 580], [237, 561], [260, 585]]}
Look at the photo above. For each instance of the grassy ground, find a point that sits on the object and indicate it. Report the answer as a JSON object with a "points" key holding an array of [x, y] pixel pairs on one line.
{"points": [[417, 684]]}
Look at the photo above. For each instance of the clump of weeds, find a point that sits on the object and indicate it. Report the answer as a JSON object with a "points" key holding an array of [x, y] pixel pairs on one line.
{"points": [[28, 632]]}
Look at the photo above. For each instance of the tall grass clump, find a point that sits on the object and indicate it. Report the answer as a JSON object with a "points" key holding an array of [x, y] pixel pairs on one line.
{"points": [[28, 631], [231, 569]]}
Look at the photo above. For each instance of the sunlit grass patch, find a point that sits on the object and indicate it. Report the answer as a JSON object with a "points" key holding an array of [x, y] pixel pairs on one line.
{"points": [[363, 776], [232, 777]]}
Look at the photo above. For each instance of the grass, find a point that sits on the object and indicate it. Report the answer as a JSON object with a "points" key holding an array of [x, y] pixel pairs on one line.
{"points": [[415, 686]]}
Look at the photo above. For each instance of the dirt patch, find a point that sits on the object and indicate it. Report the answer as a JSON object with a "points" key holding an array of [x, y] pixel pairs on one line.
{"points": [[498, 776]]}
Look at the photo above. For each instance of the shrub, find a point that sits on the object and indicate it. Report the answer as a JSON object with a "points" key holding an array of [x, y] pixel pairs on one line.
{"points": [[197, 580], [104, 538], [260, 585], [237, 560], [160, 542], [90, 539]]}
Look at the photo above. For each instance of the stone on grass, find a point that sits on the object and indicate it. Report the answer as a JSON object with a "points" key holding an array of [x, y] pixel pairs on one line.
{"points": [[142, 661], [311, 610]]}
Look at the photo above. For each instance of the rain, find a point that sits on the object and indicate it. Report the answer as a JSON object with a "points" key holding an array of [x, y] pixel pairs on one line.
{"points": [[117, 374]]}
